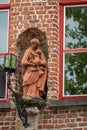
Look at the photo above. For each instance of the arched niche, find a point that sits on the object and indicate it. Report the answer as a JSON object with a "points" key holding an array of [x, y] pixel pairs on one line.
{"points": [[23, 42]]}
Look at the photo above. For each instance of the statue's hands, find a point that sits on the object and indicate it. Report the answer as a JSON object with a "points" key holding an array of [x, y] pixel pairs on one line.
{"points": [[36, 62], [31, 63]]}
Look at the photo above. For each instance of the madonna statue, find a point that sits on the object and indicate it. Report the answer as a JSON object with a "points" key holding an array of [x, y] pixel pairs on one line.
{"points": [[34, 70]]}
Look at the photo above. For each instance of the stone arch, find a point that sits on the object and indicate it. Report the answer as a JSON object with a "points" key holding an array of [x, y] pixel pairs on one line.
{"points": [[23, 44]]}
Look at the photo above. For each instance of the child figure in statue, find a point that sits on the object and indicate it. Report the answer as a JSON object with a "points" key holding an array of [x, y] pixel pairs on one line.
{"points": [[34, 70]]}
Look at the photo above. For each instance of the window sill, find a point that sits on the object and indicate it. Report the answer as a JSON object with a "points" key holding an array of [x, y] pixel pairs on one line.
{"points": [[68, 102], [5, 105]]}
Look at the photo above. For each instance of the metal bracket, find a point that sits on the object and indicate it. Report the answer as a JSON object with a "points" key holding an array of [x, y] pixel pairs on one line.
{"points": [[19, 103]]}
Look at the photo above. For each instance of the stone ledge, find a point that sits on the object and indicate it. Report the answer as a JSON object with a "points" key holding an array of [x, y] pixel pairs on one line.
{"points": [[68, 102], [5, 105]]}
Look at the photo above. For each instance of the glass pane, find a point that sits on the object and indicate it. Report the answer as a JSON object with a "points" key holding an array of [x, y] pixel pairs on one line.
{"points": [[3, 31], [2, 61], [4, 1], [75, 74], [2, 79], [76, 27]]}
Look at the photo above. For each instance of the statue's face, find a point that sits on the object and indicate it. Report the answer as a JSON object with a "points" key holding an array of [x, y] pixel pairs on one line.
{"points": [[35, 45]]}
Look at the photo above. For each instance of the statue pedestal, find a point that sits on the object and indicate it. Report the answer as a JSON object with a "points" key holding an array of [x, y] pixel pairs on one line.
{"points": [[32, 116], [33, 107]]}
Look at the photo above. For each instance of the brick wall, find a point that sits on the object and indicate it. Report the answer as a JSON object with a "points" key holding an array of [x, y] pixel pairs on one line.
{"points": [[44, 15], [70, 118], [7, 119]]}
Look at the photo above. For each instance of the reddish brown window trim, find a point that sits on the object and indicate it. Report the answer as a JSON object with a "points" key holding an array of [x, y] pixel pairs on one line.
{"points": [[68, 2], [5, 7], [62, 4]]}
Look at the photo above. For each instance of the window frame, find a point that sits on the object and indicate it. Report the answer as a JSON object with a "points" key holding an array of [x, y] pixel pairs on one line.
{"points": [[64, 3], [4, 7]]}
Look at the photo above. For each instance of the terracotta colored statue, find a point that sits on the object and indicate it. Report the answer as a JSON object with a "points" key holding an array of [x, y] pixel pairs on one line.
{"points": [[34, 69]]}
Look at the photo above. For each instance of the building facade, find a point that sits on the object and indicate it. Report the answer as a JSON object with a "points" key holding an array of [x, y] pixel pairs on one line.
{"points": [[61, 25]]}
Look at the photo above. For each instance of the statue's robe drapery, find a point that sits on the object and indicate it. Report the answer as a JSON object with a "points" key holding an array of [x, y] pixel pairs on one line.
{"points": [[34, 72]]}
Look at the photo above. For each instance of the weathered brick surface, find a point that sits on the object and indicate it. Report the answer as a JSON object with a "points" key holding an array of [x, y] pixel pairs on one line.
{"points": [[63, 119], [43, 14], [7, 119]]}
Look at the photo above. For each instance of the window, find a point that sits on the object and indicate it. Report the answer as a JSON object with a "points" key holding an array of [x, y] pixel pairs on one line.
{"points": [[73, 49], [4, 29], [4, 1]]}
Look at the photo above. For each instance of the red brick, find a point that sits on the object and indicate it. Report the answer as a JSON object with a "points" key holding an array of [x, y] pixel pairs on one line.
{"points": [[5, 128], [78, 129], [83, 124], [48, 126], [60, 125]]}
